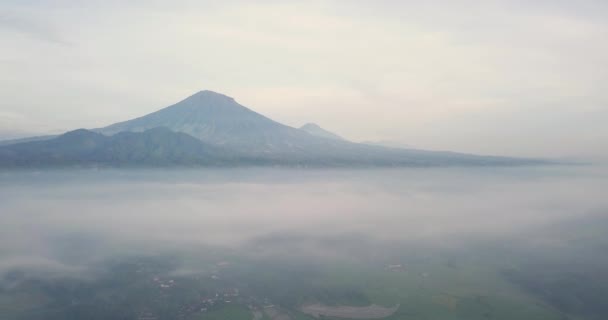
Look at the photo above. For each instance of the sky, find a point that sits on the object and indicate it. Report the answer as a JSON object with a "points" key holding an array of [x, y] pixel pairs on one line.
{"points": [[511, 77]]}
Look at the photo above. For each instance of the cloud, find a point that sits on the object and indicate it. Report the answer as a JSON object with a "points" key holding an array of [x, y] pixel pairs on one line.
{"points": [[35, 28], [81, 218]]}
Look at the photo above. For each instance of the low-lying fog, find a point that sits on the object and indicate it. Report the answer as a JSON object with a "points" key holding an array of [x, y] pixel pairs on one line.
{"points": [[466, 243], [65, 221]]}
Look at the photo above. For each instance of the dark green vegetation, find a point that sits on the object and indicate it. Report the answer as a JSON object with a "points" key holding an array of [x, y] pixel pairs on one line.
{"points": [[147, 289], [576, 282], [210, 129], [488, 282], [315, 130]]}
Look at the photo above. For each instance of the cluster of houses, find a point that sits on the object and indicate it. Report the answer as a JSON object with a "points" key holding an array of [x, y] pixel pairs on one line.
{"points": [[395, 267], [210, 301], [228, 295], [164, 283]]}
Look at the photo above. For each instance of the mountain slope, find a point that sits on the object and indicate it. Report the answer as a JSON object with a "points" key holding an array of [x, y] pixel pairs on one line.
{"points": [[388, 144], [315, 130]]}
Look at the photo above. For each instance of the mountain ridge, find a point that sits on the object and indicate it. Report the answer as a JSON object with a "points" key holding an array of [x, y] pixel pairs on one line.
{"points": [[181, 133], [153, 147]]}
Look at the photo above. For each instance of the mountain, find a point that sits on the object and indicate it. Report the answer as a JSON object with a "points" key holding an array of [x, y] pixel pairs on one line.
{"points": [[153, 147], [315, 130], [209, 128], [218, 119]]}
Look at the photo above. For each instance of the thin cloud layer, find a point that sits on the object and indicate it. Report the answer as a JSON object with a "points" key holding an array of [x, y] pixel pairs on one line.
{"points": [[80, 218]]}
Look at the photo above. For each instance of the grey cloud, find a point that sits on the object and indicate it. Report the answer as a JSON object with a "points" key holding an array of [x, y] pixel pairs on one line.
{"points": [[33, 28]]}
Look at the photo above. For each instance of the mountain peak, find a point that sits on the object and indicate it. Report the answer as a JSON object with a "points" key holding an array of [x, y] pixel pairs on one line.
{"points": [[207, 99], [208, 94], [79, 133]]}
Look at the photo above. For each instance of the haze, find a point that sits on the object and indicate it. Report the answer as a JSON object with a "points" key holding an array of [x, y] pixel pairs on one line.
{"points": [[491, 77], [299, 213], [441, 243]]}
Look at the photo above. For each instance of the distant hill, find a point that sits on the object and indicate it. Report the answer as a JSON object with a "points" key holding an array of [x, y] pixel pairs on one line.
{"points": [[209, 128], [154, 147], [22, 140], [317, 131]]}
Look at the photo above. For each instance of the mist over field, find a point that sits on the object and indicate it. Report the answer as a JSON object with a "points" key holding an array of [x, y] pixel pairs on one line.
{"points": [[69, 224], [166, 210]]}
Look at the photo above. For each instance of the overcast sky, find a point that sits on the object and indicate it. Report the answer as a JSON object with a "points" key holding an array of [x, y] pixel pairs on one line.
{"points": [[496, 77]]}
